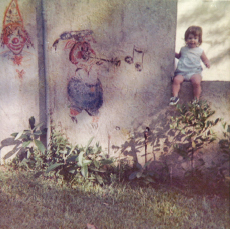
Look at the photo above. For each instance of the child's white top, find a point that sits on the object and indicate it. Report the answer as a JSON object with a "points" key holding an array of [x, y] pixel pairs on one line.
{"points": [[189, 62]]}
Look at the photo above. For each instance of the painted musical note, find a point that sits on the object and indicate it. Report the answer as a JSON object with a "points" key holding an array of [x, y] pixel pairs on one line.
{"points": [[138, 57]]}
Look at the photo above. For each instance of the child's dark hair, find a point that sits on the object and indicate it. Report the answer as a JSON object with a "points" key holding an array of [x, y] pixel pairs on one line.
{"points": [[196, 31]]}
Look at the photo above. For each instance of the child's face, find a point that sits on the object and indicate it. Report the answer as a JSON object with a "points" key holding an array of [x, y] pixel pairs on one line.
{"points": [[192, 41]]}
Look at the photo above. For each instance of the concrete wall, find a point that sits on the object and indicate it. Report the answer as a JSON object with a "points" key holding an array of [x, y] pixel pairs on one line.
{"points": [[128, 97], [102, 69]]}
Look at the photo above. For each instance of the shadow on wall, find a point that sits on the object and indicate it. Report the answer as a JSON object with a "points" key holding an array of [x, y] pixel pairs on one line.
{"points": [[156, 147], [15, 146], [214, 16], [172, 147]]}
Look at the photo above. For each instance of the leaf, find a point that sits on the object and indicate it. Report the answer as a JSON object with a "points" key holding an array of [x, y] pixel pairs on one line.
{"points": [[96, 170], [150, 179], [38, 133], [146, 164], [19, 135], [133, 175], [71, 169], [139, 174], [217, 120], [193, 144], [86, 162], [151, 173], [106, 161], [14, 134], [80, 158], [228, 129], [28, 153], [24, 162], [25, 144], [102, 170], [139, 166], [84, 171], [96, 163], [38, 126], [99, 179], [32, 122], [72, 159], [53, 166], [88, 144], [40, 146], [72, 149], [223, 125]]}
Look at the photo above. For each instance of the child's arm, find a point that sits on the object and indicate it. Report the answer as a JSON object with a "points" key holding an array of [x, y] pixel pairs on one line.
{"points": [[178, 55], [205, 60]]}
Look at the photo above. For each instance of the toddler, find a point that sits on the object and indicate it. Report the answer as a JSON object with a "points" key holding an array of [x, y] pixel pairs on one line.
{"points": [[189, 66]]}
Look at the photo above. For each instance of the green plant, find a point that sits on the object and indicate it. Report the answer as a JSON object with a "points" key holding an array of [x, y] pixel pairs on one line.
{"points": [[32, 146], [142, 174], [219, 171], [79, 164], [225, 143], [193, 128], [73, 164]]}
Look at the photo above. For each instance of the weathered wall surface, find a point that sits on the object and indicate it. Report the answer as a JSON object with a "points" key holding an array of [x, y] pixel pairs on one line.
{"points": [[129, 93], [21, 84]]}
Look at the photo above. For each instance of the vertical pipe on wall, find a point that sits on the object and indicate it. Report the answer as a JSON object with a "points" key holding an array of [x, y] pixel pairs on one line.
{"points": [[43, 95], [45, 48]]}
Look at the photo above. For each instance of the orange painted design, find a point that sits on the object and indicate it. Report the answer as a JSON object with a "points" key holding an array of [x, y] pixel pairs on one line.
{"points": [[14, 36], [70, 44], [95, 119], [20, 73], [12, 15], [74, 112], [17, 60]]}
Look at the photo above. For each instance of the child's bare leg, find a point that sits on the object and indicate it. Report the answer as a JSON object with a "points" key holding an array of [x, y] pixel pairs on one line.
{"points": [[196, 83], [176, 84]]}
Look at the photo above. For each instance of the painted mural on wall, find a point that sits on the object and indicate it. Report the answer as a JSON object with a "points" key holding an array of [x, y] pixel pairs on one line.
{"points": [[14, 37], [84, 89]]}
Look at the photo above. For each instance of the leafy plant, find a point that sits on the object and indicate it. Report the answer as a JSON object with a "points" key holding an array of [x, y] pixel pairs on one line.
{"points": [[33, 147], [225, 143], [61, 160], [193, 128], [78, 164], [220, 169], [142, 173]]}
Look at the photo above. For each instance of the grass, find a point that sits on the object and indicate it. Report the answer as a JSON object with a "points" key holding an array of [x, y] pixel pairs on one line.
{"points": [[29, 202]]}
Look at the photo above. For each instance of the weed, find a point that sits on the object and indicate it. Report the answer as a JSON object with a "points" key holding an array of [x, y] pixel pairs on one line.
{"points": [[193, 130], [33, 147]]}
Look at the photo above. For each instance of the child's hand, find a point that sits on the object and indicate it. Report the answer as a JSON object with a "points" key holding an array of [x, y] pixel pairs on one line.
{"points": [[205, 60], [207, 64]]}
